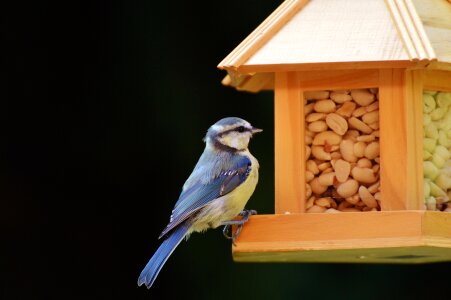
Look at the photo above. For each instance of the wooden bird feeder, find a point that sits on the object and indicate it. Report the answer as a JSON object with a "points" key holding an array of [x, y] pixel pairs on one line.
{"points": [[362, 130]]}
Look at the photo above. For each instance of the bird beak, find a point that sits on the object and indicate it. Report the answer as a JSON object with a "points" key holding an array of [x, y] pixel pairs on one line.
{"points": [[256, 130]]}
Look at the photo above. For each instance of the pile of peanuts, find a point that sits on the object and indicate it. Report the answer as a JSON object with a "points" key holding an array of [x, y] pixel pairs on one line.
{"points": [[342, 150], [437, 150]]}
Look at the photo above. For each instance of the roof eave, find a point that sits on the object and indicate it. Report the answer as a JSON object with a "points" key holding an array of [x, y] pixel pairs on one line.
{"points": [[255, 78]]}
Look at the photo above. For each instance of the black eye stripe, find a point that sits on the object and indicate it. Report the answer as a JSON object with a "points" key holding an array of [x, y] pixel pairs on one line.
{"points": [[237, 129]]}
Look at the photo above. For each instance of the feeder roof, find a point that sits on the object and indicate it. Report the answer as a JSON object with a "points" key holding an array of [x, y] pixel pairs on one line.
{"points": [[340, 34], [436, 18]]}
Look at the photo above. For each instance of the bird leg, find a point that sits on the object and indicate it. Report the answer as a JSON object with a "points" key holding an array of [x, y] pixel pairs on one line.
{"points": [[227, 224]]}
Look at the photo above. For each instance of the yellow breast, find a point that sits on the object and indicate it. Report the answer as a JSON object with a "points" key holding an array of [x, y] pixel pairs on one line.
{"points": [[229, 206]]}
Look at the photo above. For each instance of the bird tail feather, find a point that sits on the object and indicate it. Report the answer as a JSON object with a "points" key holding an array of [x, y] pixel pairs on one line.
{"points": [[156, 263]]}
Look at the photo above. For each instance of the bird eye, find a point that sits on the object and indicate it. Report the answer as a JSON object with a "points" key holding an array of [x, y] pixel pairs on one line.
{"points": [[241, 129]]}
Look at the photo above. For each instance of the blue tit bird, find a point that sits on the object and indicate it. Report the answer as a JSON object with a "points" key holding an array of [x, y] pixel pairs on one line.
{"points": [[215, 193]]}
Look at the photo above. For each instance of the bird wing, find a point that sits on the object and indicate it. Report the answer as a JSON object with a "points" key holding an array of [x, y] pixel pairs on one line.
{"points": [[200, 194]]}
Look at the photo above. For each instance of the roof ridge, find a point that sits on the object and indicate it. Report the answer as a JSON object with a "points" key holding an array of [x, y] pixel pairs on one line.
{"points": [[411, 30]]}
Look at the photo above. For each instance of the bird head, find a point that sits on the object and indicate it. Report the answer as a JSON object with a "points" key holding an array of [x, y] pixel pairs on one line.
{"points": [[231, 134]]}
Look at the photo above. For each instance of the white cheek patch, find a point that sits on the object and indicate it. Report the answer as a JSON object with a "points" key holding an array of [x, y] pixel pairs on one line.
{"points": [[236, 140], [226, 140]]}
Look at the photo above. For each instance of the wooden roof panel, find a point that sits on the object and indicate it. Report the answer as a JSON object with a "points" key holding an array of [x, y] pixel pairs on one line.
{"points": [[436, 18], [342, 34], [334, 31]]}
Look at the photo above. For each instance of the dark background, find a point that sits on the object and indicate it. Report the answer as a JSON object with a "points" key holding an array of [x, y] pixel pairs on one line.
{"points": [[103, 96]]}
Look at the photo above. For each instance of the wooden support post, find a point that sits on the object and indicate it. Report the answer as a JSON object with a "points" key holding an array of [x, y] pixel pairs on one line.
{"points": [[393, 139], [414, 92], [289, 145]]}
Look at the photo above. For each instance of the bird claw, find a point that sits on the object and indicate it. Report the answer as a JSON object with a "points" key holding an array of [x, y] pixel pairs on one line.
{"points": [[245, 214]]}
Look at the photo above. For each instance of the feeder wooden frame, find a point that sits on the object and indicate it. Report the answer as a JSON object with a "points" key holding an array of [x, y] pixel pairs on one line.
{"points": [[401, 232]]}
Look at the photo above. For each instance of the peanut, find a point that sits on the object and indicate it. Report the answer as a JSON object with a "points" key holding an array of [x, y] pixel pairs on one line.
{"points": [[366, 138], [328, 170], [376, 168], [362, 97], [347, 188], [343, 205], [335, 154], [371, 117], [377, 196], [317, 126], [308, 151], [339, 97], [372, 150], [314, 116], [309, 176], [324, 106], [312, 167], [374, 126], [342, 170], [327, 179], [375, 133], [364, 163], [329, 137], [352, 135], [364, 175], [359, 125], [319, 153], [308, 108], [310, 202], [308, 190], [359, 112], [323, 166], [347, 92], [374, 187], [346, 109], [366, 197], [337, 123], [316, 95], [353, 199], [359, 149], [316, 209], [317, 187], [324, 202], [347, 151], [373, 106]]}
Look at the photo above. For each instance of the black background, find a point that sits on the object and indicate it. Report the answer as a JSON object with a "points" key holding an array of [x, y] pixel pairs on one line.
{"points": [[98, 98]]}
